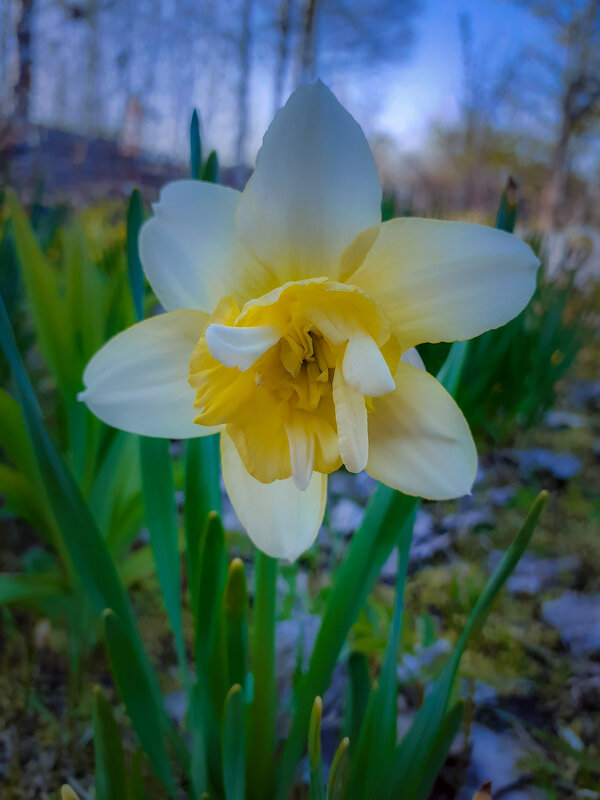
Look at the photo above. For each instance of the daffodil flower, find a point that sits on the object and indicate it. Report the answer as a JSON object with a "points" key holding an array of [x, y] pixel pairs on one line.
{"points": [[292, 318]]}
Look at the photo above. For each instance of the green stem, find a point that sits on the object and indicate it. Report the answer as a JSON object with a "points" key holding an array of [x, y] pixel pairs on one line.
{"points": [[261, 760]]}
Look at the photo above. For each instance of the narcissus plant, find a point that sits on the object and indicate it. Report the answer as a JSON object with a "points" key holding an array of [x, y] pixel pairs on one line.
{"points": [[292, 319]]}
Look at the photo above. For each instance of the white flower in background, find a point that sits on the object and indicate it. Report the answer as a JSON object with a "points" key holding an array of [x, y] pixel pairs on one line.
{"points": [[292, 317]]}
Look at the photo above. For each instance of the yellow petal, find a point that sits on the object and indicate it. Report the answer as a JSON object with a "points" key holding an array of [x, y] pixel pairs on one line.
{"points": [[315, 188], [419, 441], [441, 281], [281, 520], [139, 380], [190, 252]]}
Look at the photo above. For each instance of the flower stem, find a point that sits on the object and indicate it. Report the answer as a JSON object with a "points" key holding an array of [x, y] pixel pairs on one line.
{"points": [[261, 759]]}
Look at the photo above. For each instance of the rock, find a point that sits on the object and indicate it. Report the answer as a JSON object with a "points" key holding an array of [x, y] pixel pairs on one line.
{"points": [[501, 495], [345, 515], [562, 466], [294, 642], [176, 706], [465, 521], [585, 395], [564, 419], [532, 574], [364, 486], [577, 619], [495, 757], [359, 486], [412, 665]]}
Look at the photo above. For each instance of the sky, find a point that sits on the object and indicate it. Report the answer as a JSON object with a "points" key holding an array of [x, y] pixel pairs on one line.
{"points": [[401, 101], [428, 87]]}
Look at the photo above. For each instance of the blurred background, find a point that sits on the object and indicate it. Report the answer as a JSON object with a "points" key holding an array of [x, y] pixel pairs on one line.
{"points": [[469, 105], [453, 94]]}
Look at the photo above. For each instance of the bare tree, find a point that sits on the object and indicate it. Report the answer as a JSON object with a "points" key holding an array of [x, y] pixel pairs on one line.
{"points": [[572, 82], [22, 91]]}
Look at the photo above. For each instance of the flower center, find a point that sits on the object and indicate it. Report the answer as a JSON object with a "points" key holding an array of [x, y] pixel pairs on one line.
{"points": [[284, 374]]}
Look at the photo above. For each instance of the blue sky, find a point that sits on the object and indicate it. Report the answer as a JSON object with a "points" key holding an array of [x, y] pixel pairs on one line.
{"points": [[428, 87]]}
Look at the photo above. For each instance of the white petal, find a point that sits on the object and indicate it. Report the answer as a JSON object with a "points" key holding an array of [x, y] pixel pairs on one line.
{"points": [[240, 347], [412, 357], [351, 420], [139, 380], [441, 281], [302, 454], [315, 188], [281, 520], [365, 368], [419, 441], [190, 252]]}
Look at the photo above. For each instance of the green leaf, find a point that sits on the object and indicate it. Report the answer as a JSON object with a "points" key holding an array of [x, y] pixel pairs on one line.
{"points": [[139, 697], [357, 695], [338, 772], [261, 773], [377, 739], [161, 518], [210, 172], [415, 749], [48, 307], [195, 148], [23, 500], [207, 604], [234, 745], [86, 546], [315, 760], [384, 522], [22, 588], [440, 748], [135, 218], [236, 612], [202, 495], [449, 374], [111, 781], [211, 662], [507, 210]]}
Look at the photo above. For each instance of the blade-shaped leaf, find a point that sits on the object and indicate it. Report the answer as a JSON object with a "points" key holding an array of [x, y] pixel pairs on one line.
{"points": [[161, 518], [415, 749], [138, 695], [135, 218], [234, 745], [111, 781]]}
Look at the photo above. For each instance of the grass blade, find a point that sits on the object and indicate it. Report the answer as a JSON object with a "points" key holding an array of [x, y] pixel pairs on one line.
{"points": [[202, 495], [315, 760], [85, 545], [262, 744], [210, 172], [161, 518], [384, 523], [195, 148], [377, 741], [234, 745], [138, 695], [415, 749], [135, 218], [236, 612], [111, 780]]}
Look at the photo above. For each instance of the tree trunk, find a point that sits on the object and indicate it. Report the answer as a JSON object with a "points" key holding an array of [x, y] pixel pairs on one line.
{"points": [[243, 86], [22, 91], [308, 51], [283, 52], [554, 193]]}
